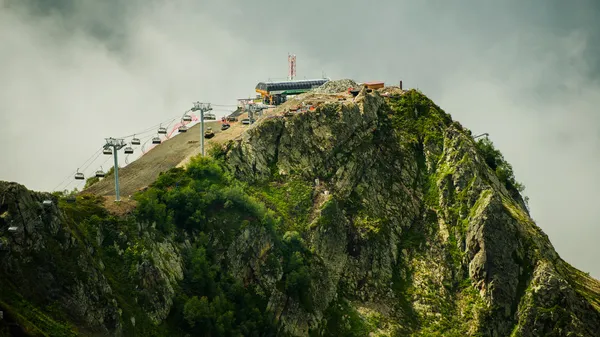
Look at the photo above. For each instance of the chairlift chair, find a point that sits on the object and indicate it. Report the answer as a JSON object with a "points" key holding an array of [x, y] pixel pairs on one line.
{"points": [[155, 140], [135, 141], [100, 173], [187, 118], [79, 176], [182, 128], [129, 150], [162, 130], [107, 151]]}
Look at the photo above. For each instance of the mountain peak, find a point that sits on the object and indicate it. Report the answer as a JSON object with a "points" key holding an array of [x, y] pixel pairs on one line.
{"points": [[333, 215]]}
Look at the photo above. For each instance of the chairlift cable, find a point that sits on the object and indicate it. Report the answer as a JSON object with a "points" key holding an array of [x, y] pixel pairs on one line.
{"points": [[152, 128], [97, 153], [90, 163]]}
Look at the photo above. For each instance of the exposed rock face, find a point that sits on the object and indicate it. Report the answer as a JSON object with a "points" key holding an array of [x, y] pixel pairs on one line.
{"points": [[419, 228], [34, 260], [48, 262]]}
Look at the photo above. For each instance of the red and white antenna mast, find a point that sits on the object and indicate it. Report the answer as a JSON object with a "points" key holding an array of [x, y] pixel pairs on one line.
{"points": [[292, 66]]}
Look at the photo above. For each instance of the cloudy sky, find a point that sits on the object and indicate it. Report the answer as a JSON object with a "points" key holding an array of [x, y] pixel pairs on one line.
{"points": [[73, 72]]}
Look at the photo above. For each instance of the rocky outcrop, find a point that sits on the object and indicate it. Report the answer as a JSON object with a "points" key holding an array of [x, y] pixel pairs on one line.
{"points": [[50, 260], [419, 228], [46, 261]]}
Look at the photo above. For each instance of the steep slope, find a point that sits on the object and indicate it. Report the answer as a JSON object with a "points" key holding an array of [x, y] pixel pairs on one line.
{"points": [[370, 216], [143, 171]]}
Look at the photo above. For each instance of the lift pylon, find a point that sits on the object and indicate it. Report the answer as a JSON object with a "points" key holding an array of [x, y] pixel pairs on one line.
{"points": [[115, 144], [202, 107]]}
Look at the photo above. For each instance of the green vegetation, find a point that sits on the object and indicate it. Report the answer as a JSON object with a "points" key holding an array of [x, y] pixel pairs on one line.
{"points": [[210, 301], [341, 319], [418, 120], [34, 321], [205, 200], [499, 165], [291, 201]]}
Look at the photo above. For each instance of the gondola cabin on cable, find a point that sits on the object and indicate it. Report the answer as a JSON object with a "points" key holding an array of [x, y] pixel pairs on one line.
{"points": [[276, 93]]}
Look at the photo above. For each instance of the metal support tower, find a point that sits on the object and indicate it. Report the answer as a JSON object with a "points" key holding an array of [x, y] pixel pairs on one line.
{"points": [[116, 145], [202, 107]]}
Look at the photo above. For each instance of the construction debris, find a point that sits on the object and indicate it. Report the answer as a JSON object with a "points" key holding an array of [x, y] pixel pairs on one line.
{"points": [[334, 87]]}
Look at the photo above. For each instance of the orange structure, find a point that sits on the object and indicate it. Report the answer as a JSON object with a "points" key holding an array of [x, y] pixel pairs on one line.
{"points": [[374, 85]]}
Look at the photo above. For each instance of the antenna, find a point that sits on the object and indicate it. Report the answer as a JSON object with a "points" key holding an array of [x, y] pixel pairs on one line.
{"points": [[291, 66]]}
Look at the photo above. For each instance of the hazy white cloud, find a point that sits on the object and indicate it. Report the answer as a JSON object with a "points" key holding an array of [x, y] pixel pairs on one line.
{"points": [[74, 72]]}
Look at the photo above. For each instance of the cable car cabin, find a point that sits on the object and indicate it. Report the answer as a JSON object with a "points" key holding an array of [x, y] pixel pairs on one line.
{"points": [[276, 93], [187, 118], [129, 150], [107, 151], [155, 140], [135, 141], [182, 129], [100, 174], [162, 131], [79, 176]]}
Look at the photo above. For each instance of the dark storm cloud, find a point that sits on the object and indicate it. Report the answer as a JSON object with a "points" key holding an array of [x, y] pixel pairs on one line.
{"points": [[74, 72]]}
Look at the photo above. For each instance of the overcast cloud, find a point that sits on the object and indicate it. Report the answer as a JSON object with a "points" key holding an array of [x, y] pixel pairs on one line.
{"points": [[73, 72]]}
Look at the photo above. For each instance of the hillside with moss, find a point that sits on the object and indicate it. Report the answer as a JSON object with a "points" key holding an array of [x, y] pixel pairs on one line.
{"points": [[372, 216]]}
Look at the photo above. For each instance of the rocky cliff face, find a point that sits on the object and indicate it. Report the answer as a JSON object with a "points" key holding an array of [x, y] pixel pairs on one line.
{"points": [[60, 270], [370, 216], [411, 225]]}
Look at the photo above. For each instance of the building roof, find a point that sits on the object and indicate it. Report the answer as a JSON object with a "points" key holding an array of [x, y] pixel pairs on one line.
{"points": [[290, 85]]}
